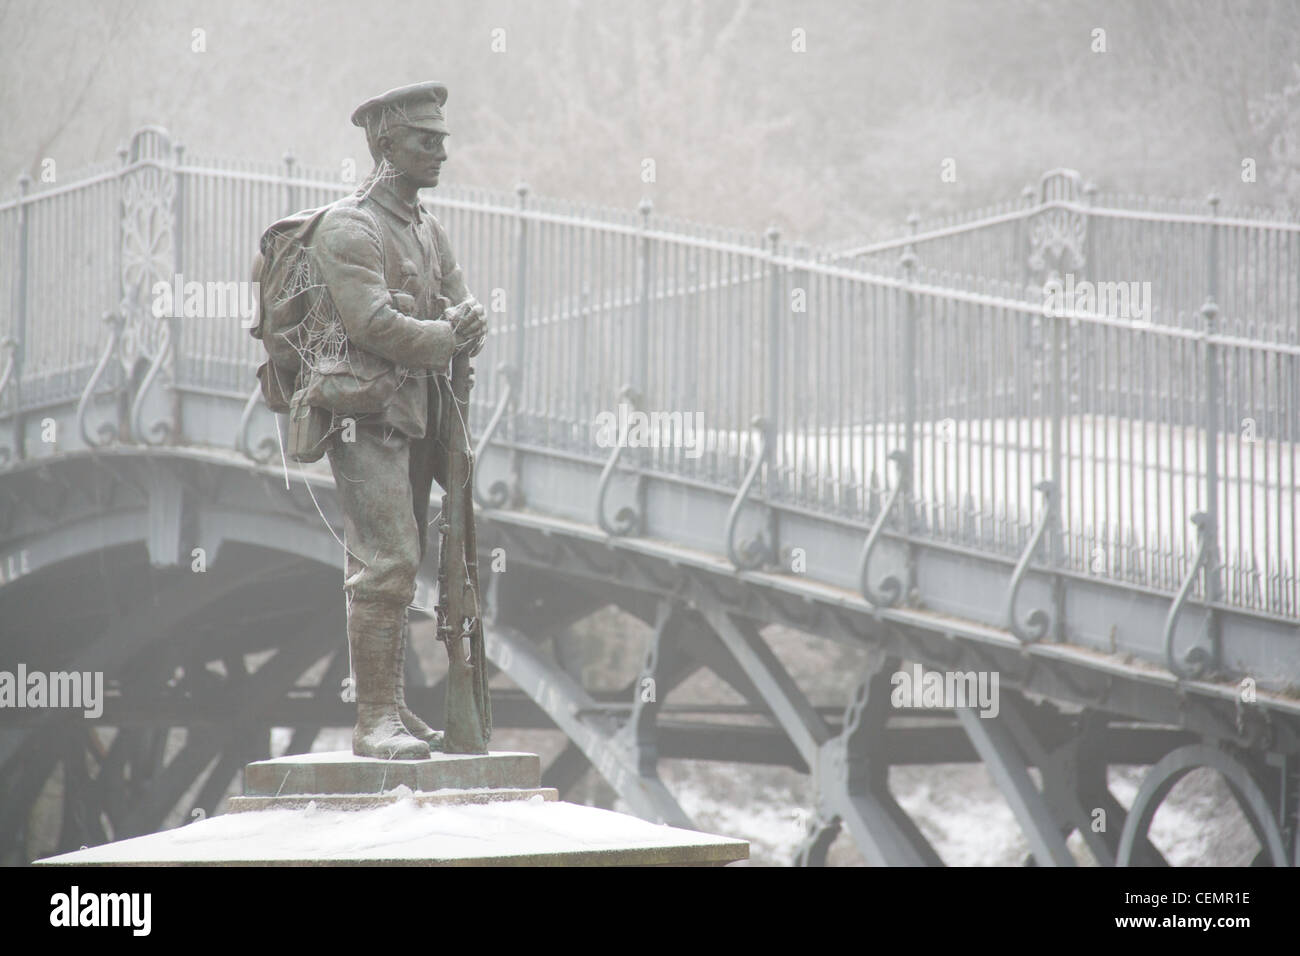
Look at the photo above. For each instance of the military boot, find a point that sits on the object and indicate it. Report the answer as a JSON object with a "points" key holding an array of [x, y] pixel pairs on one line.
{"points": [[375, 634], [413, 724]]}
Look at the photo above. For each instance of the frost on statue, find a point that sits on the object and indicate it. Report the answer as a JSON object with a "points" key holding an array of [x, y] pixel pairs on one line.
{"points": [[355, 311]]}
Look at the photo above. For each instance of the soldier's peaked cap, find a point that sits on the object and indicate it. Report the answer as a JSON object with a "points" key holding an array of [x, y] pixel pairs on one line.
{"points": [[419, 105]]}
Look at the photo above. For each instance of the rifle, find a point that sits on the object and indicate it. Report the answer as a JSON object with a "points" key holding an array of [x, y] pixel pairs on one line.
{"points": [[458, 611]]}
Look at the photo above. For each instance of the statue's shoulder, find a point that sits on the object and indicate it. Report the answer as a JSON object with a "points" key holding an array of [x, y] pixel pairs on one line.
{"points": [[348, 218], [346, 210]]}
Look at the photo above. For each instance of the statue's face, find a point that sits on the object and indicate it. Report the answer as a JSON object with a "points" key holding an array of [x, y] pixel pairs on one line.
{"points": [[417, 154]]}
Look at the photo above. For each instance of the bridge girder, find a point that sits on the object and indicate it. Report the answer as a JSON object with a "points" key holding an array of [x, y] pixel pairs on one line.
{"points": [[111, 507]]}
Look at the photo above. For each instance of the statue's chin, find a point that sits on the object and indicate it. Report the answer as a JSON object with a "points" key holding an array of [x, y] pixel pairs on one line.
{"points": [[422, 181]]}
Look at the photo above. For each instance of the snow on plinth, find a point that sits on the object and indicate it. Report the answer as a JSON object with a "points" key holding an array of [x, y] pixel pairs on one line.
{"points": [[531, 832]]}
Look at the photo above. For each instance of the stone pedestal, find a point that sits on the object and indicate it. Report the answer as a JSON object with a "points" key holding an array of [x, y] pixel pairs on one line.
{"points": [[342, 781], [336, 809]]}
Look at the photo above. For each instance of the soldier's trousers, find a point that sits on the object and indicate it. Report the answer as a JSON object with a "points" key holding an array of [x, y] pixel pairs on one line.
{"points": [[383, 480]]}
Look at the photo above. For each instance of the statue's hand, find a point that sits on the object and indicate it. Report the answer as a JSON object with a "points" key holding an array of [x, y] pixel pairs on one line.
{"points": [[471, 305], [469, 331], [482, 340], [468, 320]]}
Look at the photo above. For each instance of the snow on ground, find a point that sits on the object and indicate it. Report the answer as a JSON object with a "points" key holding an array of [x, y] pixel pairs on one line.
{"points": [[773, 823], [1128, 487], [1117, 470], [957, 808], [1199, 824], [961, 813]]}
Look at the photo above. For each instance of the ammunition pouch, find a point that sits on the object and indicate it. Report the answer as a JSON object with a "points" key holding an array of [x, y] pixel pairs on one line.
{"points": [[357, 384], [309, 426]]}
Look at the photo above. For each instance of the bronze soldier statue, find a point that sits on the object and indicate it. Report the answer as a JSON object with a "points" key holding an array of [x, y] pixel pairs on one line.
{"points": [[384, 267]]}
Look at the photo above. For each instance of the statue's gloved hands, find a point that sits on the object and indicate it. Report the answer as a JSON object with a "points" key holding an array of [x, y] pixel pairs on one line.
{"points": [[469, 325]]}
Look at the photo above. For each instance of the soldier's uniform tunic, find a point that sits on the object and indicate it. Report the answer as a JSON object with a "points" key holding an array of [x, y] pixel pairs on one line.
{"points": [[384, 262]]}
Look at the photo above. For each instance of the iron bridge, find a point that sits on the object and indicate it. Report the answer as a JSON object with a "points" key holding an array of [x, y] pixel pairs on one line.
{"points": [[899, 447]]}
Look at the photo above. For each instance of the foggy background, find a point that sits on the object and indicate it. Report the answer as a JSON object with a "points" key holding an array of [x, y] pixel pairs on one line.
{"points": [[841, 141]]}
